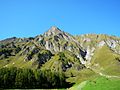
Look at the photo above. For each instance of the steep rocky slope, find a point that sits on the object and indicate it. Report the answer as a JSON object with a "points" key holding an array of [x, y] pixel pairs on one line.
{"points": [[34, 52]]}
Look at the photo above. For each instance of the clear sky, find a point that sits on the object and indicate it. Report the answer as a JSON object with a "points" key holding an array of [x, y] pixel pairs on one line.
{"points": [[24, 18]]}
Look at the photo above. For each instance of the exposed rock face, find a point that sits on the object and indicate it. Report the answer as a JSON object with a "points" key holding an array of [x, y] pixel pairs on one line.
{"points": [[58, 41], [90, 53], [90, 42], [102, 43], [52, 31]]}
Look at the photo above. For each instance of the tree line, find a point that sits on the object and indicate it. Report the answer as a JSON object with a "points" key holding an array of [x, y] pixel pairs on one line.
{"points": [[11, 78]]}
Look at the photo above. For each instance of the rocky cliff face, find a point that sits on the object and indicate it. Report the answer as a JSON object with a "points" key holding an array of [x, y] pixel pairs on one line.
{"points": [[91, 42]]}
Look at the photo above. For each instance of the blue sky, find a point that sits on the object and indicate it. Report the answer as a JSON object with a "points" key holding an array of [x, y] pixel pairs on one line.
{"points": [[24, 18]]}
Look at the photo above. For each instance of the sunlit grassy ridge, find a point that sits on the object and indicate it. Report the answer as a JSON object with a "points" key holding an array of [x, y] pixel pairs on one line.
{"points": [[106, 61]]}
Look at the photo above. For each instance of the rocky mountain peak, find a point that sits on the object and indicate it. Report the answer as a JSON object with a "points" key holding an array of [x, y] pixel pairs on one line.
{"points": [[52, 31], [54, 28]]}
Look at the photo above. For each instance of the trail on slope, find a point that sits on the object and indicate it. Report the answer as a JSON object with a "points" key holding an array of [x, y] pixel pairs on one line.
{"points": [[101, 74]]}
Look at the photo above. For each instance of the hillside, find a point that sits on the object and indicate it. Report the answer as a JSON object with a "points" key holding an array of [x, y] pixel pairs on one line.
{"points": [[80, 57]]}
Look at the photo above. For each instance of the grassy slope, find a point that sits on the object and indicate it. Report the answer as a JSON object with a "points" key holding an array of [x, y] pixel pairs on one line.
{"points": [[62, 59], [54, 64], [99, 83], [103, 83], [80, 76], [106, 61], [16, 61]]}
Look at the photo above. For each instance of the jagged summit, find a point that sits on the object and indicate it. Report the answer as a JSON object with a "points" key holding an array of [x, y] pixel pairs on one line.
{"points": [[54, 28], [52, 31]]}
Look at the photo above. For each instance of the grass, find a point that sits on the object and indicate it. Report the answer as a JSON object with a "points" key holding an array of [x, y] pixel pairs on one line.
{"points": [[82, 75], [99, 83], [102, 83], [16, 61], [60, 60], [105, 61], [78, 86]]}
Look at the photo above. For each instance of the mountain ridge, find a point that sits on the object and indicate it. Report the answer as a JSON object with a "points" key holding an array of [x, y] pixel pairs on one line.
{"points": [[57, 50]]}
